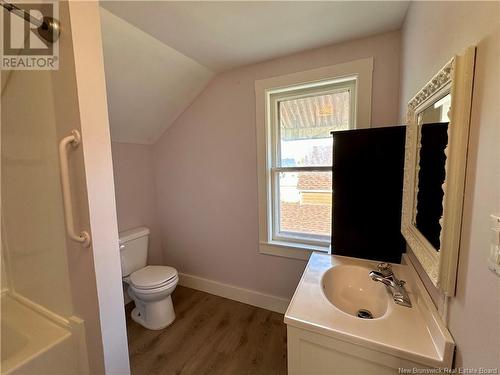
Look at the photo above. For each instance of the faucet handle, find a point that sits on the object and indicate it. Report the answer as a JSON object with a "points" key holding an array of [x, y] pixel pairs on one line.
{"points": [[385, 269]]}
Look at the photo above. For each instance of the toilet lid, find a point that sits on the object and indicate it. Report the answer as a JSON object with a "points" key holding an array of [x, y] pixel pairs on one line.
{"points": [[151, 276]]}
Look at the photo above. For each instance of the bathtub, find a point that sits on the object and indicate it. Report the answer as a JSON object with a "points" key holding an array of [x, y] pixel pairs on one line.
{"points": [[31, 343]]}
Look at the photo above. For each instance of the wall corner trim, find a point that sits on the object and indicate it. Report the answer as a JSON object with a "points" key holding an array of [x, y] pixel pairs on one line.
{"points": [[248, 296]]}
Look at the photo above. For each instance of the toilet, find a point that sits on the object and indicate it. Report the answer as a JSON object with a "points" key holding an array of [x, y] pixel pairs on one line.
{"points": [[150, 287]]}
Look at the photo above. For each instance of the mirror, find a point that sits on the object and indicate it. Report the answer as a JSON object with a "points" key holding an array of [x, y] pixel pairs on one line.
{"points": [[432, 130], [434, 178]]}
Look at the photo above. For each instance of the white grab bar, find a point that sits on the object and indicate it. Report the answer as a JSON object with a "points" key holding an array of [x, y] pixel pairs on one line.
{"points": [[74, 141]]}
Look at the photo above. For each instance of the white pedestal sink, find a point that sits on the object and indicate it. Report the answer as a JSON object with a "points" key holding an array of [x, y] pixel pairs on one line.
{"points": [[351, 290], [326, 336]]}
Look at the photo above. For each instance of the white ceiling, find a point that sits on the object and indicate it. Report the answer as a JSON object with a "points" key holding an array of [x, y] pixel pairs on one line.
{"points": [[149, 84], [159, 55], [224, 35]]}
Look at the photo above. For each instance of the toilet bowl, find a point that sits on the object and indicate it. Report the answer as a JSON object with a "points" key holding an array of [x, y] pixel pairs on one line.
{"points": [[150, 287]]}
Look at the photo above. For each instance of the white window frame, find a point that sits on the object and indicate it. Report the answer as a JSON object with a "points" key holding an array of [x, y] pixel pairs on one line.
{"points": [[268, 93], [275, 97]]}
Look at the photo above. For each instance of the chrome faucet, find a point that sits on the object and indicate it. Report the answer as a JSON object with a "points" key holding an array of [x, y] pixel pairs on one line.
{"points": [[397, 287]]}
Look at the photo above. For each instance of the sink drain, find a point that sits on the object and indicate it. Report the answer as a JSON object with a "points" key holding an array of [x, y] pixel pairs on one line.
{"points": [[364, 314]]}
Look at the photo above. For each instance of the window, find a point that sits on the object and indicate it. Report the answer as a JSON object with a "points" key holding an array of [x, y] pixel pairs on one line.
{"points": [[294, 121], [301, 121]]}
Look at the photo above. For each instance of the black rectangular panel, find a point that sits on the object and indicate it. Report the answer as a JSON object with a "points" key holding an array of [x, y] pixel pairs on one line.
{"points": [[367, 193]]}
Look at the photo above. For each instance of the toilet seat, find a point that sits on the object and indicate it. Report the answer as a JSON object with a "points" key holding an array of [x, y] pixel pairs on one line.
{"points": [[171, 284], [153, 277]]}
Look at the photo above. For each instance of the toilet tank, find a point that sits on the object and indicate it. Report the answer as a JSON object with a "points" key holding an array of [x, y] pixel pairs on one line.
{"points": [[133, 249]]}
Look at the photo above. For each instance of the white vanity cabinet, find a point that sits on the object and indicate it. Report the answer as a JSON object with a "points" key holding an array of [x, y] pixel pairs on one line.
{"points": [[315, 354], [326, 337]]}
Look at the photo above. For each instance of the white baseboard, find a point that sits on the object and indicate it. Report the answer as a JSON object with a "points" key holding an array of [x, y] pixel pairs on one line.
{"points": [[248, 296]]}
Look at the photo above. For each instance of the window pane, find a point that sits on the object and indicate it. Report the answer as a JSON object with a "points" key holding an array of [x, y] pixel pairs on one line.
{"points": [[305, 203], [305, 126]]}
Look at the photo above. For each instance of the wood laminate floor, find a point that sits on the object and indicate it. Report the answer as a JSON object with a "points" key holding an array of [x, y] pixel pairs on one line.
{"points": [[211, 335]]}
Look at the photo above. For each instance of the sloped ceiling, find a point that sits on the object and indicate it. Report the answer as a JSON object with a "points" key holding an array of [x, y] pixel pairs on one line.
{"points": [[159, 55], [224, 35], [149, 84]]}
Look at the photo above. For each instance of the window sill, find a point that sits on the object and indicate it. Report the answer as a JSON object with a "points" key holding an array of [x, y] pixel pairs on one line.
{"points": [[290, 250]]}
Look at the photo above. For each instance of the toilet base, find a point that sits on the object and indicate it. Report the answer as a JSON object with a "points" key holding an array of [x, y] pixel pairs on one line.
{"points": [[154, 315]]}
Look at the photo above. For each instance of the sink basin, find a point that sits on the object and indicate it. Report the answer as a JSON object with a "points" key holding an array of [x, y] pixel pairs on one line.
{"points": [[351, 290], [322, 324]]}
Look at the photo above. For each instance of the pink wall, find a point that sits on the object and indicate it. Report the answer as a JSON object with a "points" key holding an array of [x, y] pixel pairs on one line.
{"points": [[135, 192], [474, 318], [206, 171]]}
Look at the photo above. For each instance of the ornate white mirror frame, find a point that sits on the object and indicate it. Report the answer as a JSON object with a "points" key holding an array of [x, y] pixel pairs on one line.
{"points": [[456, 77]]}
